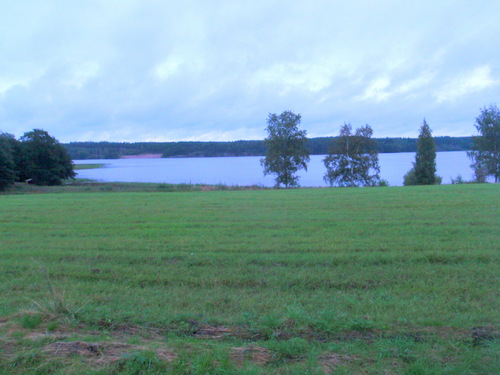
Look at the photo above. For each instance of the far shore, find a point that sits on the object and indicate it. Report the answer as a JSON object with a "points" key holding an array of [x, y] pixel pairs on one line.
{"points": [[142, 156]]}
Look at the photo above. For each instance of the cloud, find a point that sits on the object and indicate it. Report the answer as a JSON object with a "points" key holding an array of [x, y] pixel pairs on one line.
{"points": [[383, 88], [472, 82], [412, 85], [81, 73], [7, 84], [289, 76], [377, 90], [134, 70], [167, 68]]}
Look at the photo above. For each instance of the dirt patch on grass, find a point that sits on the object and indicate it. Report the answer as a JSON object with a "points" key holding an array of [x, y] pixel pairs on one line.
{"points": [[480, 335], [72, 348], [329, 362], [34, 335], [255, 354], [213, 332], [101, 352]]}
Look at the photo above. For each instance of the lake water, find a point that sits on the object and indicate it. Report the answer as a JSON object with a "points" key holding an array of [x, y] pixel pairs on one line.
{"points": [[247, 171]]}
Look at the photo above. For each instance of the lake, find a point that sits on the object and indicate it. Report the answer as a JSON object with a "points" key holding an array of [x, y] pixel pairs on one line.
{"points": [[247, 171]]}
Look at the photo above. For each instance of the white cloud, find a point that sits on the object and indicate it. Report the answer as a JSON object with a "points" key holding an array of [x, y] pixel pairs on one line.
{"points": [[167, 68], [377, 90], [384, 88], [81, 73], [412, 85], [286, 77], [476, 80], [8, 83]]}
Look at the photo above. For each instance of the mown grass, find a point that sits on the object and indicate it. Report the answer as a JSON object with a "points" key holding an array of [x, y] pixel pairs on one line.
{"points": [[91, 186], [402, 280]]}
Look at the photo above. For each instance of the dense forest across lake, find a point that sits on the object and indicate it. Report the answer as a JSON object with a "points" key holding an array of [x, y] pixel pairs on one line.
{"points": [[316, 146]]}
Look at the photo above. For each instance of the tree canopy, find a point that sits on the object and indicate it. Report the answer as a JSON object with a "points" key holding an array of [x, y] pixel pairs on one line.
{"points": [[353, 158], [42, 159], [7, 165], [485, 152], [286, 148]]}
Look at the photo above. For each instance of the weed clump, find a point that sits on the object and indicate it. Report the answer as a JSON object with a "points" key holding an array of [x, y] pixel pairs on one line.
{"points": [[55, 308]]}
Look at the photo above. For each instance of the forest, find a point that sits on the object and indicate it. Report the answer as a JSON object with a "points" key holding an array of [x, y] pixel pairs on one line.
{"points": [[316, 146]]}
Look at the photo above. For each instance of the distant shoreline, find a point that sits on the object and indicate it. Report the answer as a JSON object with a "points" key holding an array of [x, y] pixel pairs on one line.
{"points": [[316, 146], [142, 156]]}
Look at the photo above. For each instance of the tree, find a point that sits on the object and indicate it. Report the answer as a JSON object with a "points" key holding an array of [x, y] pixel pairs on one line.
{"points": [[286, 148], [43, 159], [423, 171], [353, 158], [485, 152], [7, 165]]}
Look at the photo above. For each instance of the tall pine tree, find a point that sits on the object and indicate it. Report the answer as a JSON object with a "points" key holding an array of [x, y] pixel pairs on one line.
{"points": [[424, 167]]}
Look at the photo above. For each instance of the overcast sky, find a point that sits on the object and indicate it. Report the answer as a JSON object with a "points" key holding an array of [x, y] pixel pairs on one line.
{"points": [[151, 70]]}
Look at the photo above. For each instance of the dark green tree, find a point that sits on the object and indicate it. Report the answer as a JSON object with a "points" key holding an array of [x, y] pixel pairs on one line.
{"points": [[485, 152], [424, 167], [7, 165], [286, 148], [353, 158], [43, 160]]}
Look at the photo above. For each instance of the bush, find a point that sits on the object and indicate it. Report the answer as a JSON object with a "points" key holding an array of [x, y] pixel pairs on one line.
{"points": [[383, 183], [409, 178], [458, 180]]}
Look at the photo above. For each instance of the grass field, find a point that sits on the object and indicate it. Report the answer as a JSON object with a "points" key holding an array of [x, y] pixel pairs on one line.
{"points": [[400, 280]]}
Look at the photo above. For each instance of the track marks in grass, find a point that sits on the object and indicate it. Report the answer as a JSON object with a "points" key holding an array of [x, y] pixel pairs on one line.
{"points": [[210, 347], [102, 352]]}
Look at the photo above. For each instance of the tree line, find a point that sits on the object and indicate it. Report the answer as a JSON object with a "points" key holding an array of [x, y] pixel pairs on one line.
{"points": [[316, 146], [352, 158]]}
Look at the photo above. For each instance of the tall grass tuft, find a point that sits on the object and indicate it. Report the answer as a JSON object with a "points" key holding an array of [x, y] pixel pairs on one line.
{"points": [[56, 306]]}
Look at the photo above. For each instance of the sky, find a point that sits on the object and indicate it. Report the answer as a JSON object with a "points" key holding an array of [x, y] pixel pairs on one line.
{"points": [[197, 70]]}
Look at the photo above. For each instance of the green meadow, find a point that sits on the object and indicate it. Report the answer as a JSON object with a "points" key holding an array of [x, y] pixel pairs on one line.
{"points": [[399, 280]]}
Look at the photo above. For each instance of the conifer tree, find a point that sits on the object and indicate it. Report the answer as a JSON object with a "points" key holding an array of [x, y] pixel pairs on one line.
{"points": [[424, 167]]}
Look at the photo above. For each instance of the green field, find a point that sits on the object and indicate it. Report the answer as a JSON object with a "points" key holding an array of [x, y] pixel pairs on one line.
{"points": [[303, 281]]}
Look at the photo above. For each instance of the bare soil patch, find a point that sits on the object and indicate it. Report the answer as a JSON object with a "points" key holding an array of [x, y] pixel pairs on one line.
{"points": [[255, 354], [101, 352]]}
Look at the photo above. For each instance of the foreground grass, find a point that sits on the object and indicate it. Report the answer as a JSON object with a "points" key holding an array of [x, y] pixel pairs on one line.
{"points": [[401, 280], [91, 186]]}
